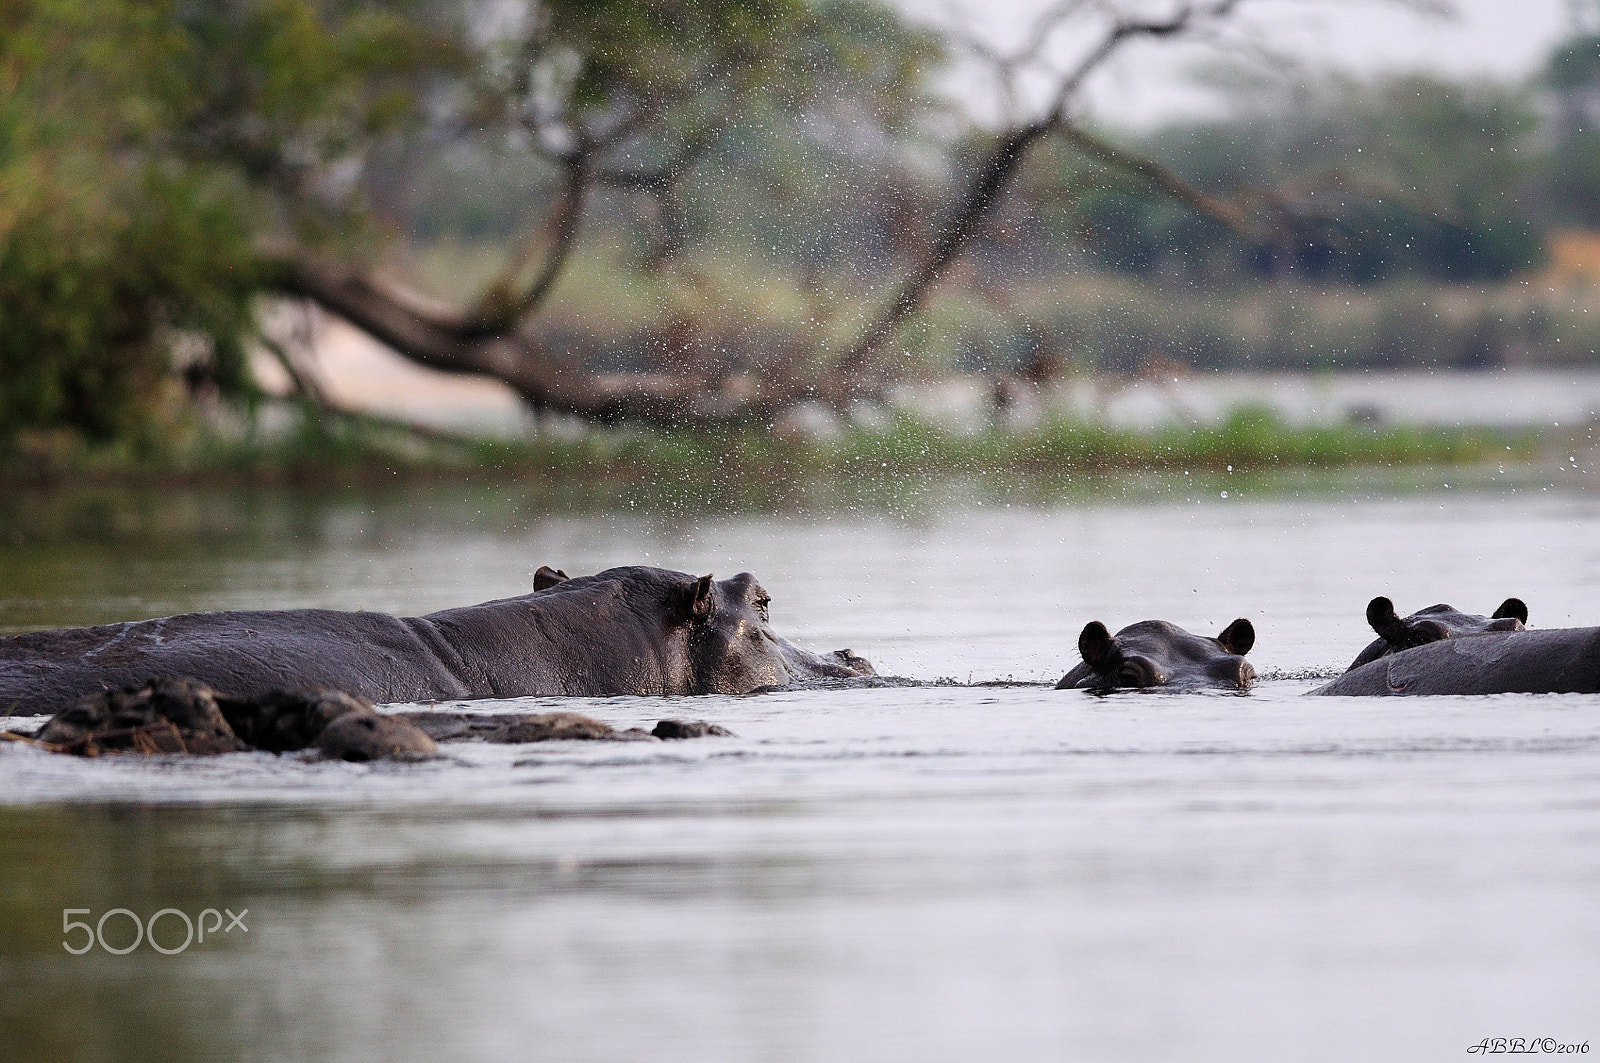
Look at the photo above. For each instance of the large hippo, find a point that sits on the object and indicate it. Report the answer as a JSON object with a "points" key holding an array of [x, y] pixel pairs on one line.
{"points": [[1546, 661], [1155, 653], [629, 630], [1431, 625]]}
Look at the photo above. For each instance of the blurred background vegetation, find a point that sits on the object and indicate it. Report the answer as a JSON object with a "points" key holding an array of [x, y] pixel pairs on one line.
{"points": [[726, 192]]}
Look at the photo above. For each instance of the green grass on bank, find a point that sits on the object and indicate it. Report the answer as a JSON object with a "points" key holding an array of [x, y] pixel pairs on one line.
{"points": [[323, 451]]}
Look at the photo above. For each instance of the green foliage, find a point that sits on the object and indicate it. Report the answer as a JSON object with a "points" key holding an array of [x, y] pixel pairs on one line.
{"points": [[144, 146], [98, 285], [105, 256], [1406, 176], [799, 111], [1574, 64]]}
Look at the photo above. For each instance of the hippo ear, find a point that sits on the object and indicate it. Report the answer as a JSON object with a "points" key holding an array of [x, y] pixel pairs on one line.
{"points": [[1512, 607], [548, 577], [1389, 626], [1238, 637], [1097, 646], [697, 599]]}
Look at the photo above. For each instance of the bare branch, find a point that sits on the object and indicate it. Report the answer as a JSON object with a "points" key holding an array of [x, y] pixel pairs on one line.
{"points": [[667, 173], [1162, 178], [502, 305], [1000, 167], [1124, 30], [997, 172], [304, 384], [1008, 65], [453, 344]]}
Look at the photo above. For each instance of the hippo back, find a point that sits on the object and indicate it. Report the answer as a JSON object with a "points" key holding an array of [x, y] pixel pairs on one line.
{"points": [[370, 655], [634, 630], [615, 632], [1543, 661]]}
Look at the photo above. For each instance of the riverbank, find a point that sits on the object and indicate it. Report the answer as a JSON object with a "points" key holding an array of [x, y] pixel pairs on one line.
{"points": [[348, 450]]}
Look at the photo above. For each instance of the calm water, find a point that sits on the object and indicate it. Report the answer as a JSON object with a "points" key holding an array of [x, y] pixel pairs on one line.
{"points": [[936, 872]]}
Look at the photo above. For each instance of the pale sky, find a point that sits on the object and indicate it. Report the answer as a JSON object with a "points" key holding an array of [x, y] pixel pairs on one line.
{"points": [[1506, 39]]}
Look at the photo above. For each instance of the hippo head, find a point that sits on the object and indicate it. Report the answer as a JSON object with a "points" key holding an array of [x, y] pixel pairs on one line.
{"points": [[733, 649], [1154, 653], [1432, 624]]}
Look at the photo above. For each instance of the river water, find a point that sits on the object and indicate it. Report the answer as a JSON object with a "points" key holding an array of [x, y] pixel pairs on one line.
{"points": [[984, 869]]}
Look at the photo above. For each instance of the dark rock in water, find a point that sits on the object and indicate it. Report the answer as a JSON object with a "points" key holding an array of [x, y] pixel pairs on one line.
{"points": [[284, 720], [183, 716], [163, 716], [367, 735], [691, 729], [519, 728], [551, 726], [515, 728], [853, 661]]}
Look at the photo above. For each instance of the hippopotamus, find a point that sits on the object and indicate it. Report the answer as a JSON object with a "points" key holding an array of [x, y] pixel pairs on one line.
{"points": [[632, 630], [1155, 653], [1432, 624], [1546, 661]]}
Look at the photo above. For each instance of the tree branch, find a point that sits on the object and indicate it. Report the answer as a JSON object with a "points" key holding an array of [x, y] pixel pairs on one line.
{"points": [[1162, 178], [1000, 167], [453, 344], [998, 170], [501, 306]]}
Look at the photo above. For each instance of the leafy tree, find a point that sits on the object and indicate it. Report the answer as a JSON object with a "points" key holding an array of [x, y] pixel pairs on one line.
{"points": [[144, 147]]}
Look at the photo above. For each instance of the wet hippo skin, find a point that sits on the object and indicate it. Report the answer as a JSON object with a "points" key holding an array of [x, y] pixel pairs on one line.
{"points": [[629, 630], [1156, 653], [1544, 661], [1432, 624]]}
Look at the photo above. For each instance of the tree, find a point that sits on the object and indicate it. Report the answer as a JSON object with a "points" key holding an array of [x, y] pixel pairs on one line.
{"points": [[630, 98], [140, 144], [254, 125], [1365, 181]]}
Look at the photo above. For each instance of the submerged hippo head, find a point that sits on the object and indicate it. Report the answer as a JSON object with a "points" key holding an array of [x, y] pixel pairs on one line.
{"points": [[1432, 624], [733, 649], [1154, 653]]}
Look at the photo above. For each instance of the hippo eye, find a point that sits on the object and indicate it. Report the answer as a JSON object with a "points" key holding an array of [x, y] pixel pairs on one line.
{"points": [[1138, 672], [761, 604]]}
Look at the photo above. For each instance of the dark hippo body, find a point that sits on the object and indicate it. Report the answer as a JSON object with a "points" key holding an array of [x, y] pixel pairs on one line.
{"points": [[1155, 653], [624, 631], [1437, 622], [1545, 661]]}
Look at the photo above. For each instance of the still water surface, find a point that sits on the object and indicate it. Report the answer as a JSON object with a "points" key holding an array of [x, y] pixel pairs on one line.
{"points": [[924, 873]]}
